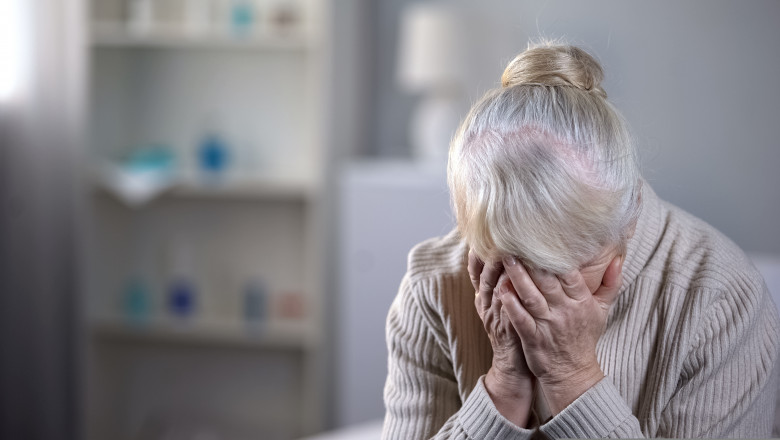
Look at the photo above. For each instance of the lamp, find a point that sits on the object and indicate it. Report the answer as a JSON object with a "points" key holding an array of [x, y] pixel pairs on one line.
{"points": [[432, 62]]}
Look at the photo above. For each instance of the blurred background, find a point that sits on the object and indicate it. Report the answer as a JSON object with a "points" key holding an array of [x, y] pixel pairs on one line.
{"points": [[206, 205]]}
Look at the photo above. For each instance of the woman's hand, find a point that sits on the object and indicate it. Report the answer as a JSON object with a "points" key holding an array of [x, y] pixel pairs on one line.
{"points": [[559, 321], [509, 382]]}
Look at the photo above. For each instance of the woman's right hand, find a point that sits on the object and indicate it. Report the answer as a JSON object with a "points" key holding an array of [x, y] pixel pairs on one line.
{"points": [[509, 382]]}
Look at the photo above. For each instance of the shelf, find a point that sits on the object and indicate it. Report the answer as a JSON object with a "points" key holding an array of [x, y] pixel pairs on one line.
{"points": [[138, 189], [116, 35], [256, 187], [272, 334]]}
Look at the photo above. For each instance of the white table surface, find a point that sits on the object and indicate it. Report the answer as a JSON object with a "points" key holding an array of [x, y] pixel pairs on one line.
{"points": [[364, 431]]}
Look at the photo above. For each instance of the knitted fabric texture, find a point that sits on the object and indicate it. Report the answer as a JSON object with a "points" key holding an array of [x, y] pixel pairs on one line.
{"points": [[690, 347]]}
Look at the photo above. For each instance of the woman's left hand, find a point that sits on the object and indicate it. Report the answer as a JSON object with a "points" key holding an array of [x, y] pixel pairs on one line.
{"points": [[559, 321]]}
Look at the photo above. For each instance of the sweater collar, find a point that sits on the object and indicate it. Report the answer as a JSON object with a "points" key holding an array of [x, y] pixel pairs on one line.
{"points": [[649, 229]]}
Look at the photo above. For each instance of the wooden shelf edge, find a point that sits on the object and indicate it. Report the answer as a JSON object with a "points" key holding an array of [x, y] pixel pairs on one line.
{"points": [[245, 188], [230, 188], [293, 335]]}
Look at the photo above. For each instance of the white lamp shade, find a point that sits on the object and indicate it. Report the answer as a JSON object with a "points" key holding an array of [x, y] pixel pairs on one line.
{"points": [[432, 47]]}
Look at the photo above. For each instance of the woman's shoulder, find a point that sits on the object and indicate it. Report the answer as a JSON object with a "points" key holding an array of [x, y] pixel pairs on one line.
{"points": [[438, 256], [436, 284], [695, 255]]}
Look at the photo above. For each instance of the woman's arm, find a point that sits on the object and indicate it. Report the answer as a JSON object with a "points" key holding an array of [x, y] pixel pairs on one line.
{"points": [[729, 378], [726, 386], [421, 392]]}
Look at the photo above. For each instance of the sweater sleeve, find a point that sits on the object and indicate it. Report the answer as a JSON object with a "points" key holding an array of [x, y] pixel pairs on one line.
{"points": [[421, 392], [727, 386], [728, 382]]}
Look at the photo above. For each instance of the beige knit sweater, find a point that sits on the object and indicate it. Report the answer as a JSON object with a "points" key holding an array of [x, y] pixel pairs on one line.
{"points": [[690, 348]]}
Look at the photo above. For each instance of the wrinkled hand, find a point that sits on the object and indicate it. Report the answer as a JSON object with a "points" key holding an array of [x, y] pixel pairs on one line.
{"points": [[509, 382], [559, 321]]}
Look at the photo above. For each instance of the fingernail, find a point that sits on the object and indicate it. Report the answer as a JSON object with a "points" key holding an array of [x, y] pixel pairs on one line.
{"points": [[510, 261]]}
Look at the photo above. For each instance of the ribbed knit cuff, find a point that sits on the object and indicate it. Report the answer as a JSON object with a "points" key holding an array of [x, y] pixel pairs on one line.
{"points": [[481, 420], [595, 414]]}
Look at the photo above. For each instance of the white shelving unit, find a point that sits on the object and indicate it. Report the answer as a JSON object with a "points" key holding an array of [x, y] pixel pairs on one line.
{"points": [[214, 372]]}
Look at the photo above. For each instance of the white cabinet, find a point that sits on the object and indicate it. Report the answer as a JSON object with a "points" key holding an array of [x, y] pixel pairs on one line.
{"points": [[209, 367], [385, 209]]}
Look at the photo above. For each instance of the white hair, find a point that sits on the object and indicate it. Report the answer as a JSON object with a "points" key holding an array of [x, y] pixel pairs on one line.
{"points": [[544, 168]]}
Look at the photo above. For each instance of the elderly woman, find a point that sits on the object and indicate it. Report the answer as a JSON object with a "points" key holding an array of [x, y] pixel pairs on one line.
{"points": [[571, 300]]}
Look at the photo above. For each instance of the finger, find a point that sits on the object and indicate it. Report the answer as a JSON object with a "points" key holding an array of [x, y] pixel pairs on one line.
{"points": [[611, 282], [529, 295], [492, 312], [475, 266], [495, 304], [478, 306], [488, 279], [574, 286], [475, 269], [522, 321], [548, 284]]}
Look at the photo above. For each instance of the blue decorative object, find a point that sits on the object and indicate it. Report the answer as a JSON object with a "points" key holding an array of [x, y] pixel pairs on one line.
{"points": [[150, 158], [213, 154], [136, 304], [255, 301], [181, 298], [242, 17]]}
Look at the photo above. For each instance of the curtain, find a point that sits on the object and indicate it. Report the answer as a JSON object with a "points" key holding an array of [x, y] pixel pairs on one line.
{"points": [[42, 83]]}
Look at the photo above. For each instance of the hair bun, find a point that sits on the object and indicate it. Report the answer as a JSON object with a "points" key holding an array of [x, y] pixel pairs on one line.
{"points": [[555, 65]]}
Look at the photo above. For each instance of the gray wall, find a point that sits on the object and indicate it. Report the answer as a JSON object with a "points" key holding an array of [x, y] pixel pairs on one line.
{"points": [[697, 80]]}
